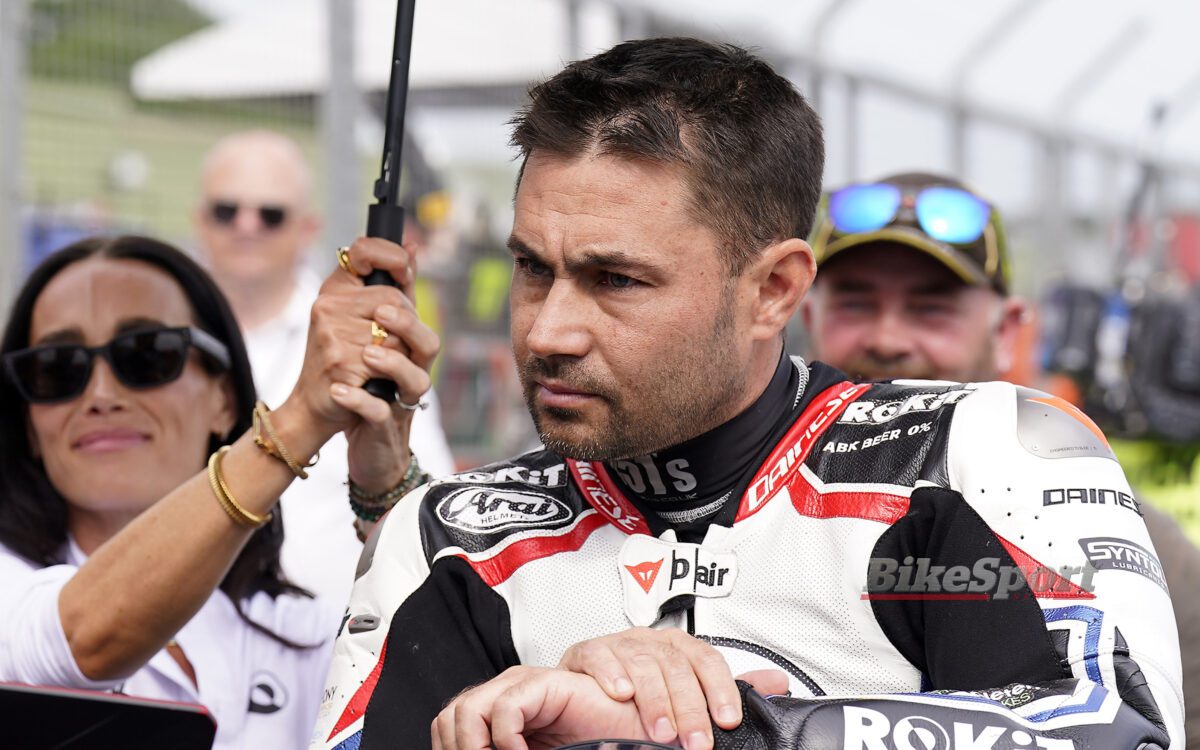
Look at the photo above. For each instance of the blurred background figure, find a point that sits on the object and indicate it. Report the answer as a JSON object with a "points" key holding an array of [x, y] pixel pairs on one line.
{"points": [[255, 222], [119, 568], [913, 282], [903, 304]]}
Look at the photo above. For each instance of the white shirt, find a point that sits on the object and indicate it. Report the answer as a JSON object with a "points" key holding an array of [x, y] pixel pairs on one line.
{"points": [[260, 692], [320, 548]]}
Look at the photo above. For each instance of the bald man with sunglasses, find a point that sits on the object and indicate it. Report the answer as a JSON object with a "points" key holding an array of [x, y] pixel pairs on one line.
{"points": [[255, 223]]}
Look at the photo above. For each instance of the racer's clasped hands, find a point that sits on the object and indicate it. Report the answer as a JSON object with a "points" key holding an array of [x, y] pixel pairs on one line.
{"points": [[641, 684]]}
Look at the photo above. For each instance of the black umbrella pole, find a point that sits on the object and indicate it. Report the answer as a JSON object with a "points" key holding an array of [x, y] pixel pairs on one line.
{"points": [[385, 218]]}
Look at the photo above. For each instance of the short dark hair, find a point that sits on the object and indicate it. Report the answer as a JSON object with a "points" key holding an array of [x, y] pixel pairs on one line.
{"points": [[749, 145], [33, 515]]}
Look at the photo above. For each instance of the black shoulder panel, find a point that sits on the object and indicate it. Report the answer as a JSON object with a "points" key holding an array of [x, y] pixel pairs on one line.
{"points": [[892, 434], [961, 643], [453, 632], [476, 510]]}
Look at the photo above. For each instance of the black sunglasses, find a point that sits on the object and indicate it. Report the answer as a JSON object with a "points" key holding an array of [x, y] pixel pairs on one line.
{"points": [[144, 358], [224, 213]]}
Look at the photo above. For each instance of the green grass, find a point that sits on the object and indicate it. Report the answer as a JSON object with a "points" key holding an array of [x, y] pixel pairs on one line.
{"points": [[74, 129], [99, 40]]}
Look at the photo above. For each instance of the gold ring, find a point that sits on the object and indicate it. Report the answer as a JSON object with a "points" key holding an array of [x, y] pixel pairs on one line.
{"points": [[378, 333], [343, 258]]}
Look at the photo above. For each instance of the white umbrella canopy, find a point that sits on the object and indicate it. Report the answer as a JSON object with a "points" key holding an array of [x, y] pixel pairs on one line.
{"points": [[1089, 68], [282, 49], [1090, 71]]}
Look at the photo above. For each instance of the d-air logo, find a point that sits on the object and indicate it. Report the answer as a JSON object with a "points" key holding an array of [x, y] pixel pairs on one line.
{"points": [[1110, 553], [654, 571], [875, 412], [645, 573], [866, 729], [694, 574], [267, 694], [475, 509]]}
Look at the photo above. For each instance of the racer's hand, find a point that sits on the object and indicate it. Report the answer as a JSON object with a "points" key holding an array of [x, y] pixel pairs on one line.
{"points": [[677, 681], [535, 708], [529, 708], [340, 359]]}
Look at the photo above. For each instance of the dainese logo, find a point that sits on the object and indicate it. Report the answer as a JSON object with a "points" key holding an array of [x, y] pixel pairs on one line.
{"points": [[645, 573]]}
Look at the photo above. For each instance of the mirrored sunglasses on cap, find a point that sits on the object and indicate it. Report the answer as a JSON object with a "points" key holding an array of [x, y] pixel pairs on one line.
{"points": [[947, 214], [140, 359]]}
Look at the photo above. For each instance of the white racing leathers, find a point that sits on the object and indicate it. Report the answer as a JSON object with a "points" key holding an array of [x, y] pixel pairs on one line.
{"points": [[935, 566]]}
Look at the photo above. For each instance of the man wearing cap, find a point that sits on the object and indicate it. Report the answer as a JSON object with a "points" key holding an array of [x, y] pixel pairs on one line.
{"points": [[894, 302], [881, 548]]}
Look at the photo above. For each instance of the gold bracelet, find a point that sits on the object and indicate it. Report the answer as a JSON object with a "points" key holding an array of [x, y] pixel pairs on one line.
{"points": [[273, 446], [232, 507]]}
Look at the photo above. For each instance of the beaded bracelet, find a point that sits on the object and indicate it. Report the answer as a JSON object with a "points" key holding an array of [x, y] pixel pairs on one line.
{"points": [[371, 507]]}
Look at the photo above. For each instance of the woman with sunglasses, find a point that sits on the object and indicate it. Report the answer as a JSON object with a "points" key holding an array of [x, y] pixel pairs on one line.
{"points": [[125, 563]]}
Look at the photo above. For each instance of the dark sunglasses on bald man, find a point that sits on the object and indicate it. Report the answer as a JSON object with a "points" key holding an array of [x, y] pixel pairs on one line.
{"points": [[144, 358], [225, 213]]}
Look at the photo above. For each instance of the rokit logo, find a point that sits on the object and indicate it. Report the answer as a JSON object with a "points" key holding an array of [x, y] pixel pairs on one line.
{"points": [[1110, 553], [1090, 496], [867, 729], [475, 509], [551, 476], [875, 412]]}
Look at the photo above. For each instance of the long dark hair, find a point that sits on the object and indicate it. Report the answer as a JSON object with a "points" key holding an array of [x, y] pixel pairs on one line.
{"points": [[33, 515]]}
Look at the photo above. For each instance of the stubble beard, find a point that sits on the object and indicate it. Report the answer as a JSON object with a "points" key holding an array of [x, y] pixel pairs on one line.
{"points": [[684, 393], [865, 367]]}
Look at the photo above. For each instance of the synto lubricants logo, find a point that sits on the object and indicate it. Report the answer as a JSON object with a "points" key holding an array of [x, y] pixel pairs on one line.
{"points": [[1110, 553]]}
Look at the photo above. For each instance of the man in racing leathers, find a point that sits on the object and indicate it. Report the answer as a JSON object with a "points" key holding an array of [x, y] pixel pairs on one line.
{"points": [[883, 545]]}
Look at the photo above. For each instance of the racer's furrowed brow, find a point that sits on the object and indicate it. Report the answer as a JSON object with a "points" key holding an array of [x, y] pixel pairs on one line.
{"points": [[616, 261]]}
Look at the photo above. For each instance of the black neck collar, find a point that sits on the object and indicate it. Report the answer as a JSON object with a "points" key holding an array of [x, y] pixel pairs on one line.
{"points": [[690, 482]]}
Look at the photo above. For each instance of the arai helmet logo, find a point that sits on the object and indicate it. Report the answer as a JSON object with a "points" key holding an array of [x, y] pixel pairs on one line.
{"points": [[478, 509]]}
